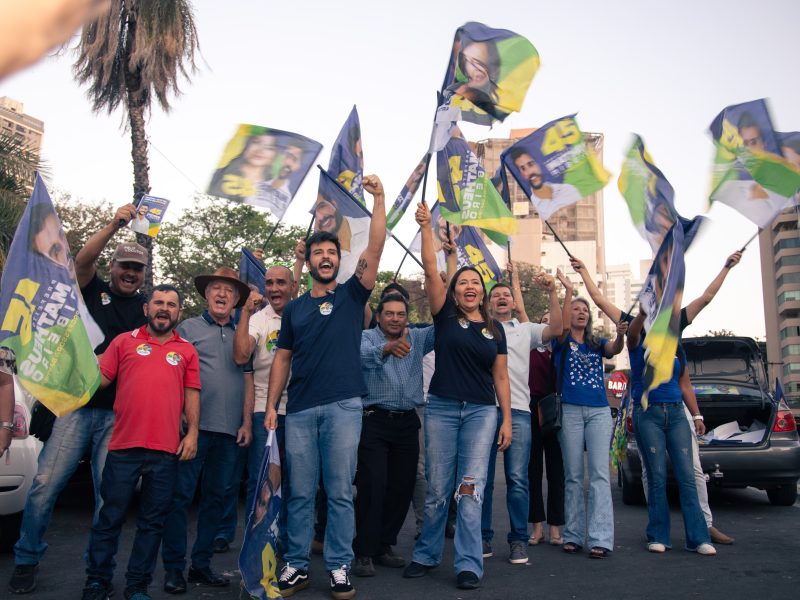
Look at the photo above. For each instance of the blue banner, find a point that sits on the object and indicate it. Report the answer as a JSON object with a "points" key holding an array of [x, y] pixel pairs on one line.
{"points": [[347, 159], [252, 271]]}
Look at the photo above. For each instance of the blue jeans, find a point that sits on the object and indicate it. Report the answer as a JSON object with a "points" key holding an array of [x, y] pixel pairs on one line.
{"points": [[251, 457], [589, 425], [662, 429], [458, 441], [216, 457], [322, 438], [122, 471], [515, 464], [73, 434]]}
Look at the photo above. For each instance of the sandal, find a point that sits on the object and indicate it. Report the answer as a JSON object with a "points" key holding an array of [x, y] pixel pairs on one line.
{"points": [[598, 552], [556, 541], [535, 540], [571, 548]]}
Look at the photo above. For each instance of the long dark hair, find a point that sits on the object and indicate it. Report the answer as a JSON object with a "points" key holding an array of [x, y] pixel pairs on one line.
{"points": [[589, 338], [483, 307]]}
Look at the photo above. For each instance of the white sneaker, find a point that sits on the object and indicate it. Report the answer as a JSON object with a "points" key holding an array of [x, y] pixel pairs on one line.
{"points": [[656, 548], [706, 550]]}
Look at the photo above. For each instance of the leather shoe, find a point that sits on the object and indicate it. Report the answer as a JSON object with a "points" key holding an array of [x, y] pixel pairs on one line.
{"points": [[206, 576], [467, 580], [719, 538], [414, 570], [174, 583]]}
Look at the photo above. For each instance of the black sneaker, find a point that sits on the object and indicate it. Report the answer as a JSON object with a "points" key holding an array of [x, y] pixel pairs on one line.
{"points": [[341, 588], [23, 579], [137, 593], [221, 546], [292, 580], [95, 590], [467, 580]]}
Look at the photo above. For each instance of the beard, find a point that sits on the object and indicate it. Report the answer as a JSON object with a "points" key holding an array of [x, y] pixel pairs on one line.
{"points": [[536, 186], [315, 275], [159, 327]]}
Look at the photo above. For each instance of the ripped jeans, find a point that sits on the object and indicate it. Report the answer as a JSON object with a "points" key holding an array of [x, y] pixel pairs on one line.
{"points": [[458, 441], [659, 430]]}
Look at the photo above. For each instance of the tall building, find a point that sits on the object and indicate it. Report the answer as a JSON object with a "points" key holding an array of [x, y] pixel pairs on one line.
{"points": [[780, 278], [16, 124]]}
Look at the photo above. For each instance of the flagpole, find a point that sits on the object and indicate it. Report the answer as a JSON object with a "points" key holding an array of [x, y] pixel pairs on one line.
{"points": [[269, 237], [396, 273], [729, 263], [310, 225], [558, 239]]}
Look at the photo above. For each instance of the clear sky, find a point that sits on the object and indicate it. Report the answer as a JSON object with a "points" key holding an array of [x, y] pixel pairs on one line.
{"points": [[660, 69]]}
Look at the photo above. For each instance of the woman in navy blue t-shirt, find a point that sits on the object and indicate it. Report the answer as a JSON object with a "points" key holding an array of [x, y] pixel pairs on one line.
{"points": [[585, 422], [460, 414]]}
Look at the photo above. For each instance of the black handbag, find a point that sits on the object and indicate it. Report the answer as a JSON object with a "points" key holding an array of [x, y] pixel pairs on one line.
{"points": [[550, 405], [42, 420]]}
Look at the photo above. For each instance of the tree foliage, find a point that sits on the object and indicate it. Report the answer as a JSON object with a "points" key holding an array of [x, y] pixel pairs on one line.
{"points": [[212, 235]]}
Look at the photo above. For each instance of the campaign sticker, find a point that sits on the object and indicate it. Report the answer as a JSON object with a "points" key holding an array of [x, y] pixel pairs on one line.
{"points": [[173, 358], [143, 349], [272, 341], [325, 308], [105, 298], [463, 322], [487, 334], [573, 346]]}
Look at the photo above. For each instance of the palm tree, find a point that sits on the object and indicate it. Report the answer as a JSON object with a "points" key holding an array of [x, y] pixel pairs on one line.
{"points": [[135, 51]]}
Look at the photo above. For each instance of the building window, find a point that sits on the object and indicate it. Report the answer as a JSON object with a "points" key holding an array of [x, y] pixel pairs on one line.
{"points": [[788, 278], [793, 331], [791, 368], [791, 350], [789, 261], [793, 242], [790, 296]]}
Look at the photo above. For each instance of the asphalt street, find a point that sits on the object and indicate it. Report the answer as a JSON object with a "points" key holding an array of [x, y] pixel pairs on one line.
{"points": [[763, 563]]}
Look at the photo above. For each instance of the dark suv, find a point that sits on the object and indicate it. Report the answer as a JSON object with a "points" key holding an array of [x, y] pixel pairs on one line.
{"points": [[730, 384]]}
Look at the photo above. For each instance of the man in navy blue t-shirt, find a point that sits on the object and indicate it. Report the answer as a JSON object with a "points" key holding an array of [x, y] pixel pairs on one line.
{"points": [[320, 340]]}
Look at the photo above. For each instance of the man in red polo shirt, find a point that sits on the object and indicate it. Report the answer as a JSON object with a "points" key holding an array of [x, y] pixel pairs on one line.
{"points": [[158, 378]]}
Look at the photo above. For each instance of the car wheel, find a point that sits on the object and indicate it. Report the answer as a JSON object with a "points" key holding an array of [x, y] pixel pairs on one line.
{"points": [[9, 531], [785, 495], [632, 493]]}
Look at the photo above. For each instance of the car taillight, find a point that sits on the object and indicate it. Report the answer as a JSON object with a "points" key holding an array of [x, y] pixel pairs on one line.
{"points": [[629, 423], [785, 421], [20, 424]]}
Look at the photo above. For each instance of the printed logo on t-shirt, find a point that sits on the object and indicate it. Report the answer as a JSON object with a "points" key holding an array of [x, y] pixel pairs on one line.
{"points": [[173, 358], [272, 341], [144, 349], [487, 334], [573, 346], [105, 298], [463, 322], [325, 308]]}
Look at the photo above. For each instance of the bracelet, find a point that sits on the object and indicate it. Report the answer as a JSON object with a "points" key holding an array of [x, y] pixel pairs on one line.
{"points": [[7, 425], [697, 417]]}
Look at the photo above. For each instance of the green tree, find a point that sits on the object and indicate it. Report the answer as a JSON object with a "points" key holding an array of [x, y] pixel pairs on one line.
{"points": [[536, 300], [212, 235], [133, 52]]}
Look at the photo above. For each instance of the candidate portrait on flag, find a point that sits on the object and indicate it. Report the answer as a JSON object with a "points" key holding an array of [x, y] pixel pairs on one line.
{"points": [[263, 167]]}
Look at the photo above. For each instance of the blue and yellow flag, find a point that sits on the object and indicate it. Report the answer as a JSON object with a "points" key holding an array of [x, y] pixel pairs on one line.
{"points": [[347, 158], [466, 193], [406, 195], [651, 199], [751, 173], [44, 319], [661, 298], [489, 72], [555, 167], [258, 557], [252, 271]]}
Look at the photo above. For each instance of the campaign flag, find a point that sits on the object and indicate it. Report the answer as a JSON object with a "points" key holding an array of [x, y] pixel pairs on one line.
{"points": [[779, 397], [44, 320], [445, 123], [149, 215], [470, 248], [750, 172], [347, 158], [790, 148], [466, 193], [252, 271], [555, 167], [406, 195], [337, 212], [489, 72], [651, 199], [258, 556], [661, 297], [263, 167]]}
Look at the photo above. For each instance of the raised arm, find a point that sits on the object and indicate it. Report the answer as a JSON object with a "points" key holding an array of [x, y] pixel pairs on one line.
{"points": [[695, 306], [243, 342], [603, 303], [451, 256], [614, 347], [434, 286], [367, 268], [86, 259], [556, 326], [635, 330], [516, 293], [565, 307]]}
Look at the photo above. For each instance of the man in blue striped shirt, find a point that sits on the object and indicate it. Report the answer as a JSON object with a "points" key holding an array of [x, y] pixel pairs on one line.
{"points": [[391, 360]]}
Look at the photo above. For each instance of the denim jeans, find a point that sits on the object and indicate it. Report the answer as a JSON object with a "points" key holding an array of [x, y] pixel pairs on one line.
{"points": [[458, 441], [515, 464], [122, 471], [322, 438], [659, 430], [216, 457], [73, 434], [251, 457], [589, 425]]}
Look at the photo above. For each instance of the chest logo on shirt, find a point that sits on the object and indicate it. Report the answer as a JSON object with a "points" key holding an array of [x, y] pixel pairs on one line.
{"points": [[272, 341], [487, 334], [573, 346], [143, 349], [173, 358], [325, 308], [105, 298], [463, 322]]}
